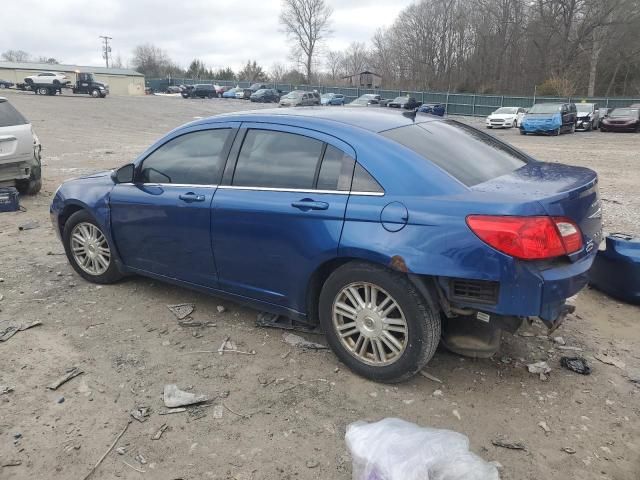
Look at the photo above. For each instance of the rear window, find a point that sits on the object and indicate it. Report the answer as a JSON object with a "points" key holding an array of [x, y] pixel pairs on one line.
{"points": [[9, 116], [467, 154]]}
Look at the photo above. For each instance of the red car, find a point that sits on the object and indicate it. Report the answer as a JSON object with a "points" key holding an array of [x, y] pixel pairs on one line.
{"points": [[622, 120]]}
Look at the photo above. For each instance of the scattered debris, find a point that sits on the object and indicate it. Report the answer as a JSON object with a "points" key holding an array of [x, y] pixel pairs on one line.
{"points": [[568, 450], [228, 347], [121, 450], [140, 459], [108, 450], [527, 334], [576, 364], [11, 463], [541, 368], [60, 400], [196, 323], [543, 425], [456, 414], [172, 410], [312, 463], [4, 389], [567, 347], [71, 373], [221, 309], [559, 340], [236, 413], [297, 341], [135, 468], [605, 358], [160, 431], [437, 393], [30, 225], [11, 329], [182, 310], [224, 344], [510, 445], [429, 376], [140, 413], [218, 410], [174, 397]]}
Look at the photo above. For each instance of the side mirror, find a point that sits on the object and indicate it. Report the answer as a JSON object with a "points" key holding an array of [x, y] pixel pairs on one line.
{"points": [[124, 174]]}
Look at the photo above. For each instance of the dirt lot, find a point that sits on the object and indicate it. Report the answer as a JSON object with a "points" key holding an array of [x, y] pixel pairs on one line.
{"points": [[287, 409]]}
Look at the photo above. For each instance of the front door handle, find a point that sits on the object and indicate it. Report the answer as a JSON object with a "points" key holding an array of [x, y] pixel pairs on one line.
{"points": [[309, 204], [191, 197]]}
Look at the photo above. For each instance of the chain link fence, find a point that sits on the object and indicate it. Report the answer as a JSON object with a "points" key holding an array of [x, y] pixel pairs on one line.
{"points": [[455, 103]]}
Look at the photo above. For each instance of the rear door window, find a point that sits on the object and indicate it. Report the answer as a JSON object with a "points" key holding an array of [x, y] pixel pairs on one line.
{"points": [[9, 116], [274, 159], [469, 155], [336, 170], [195, 158]]}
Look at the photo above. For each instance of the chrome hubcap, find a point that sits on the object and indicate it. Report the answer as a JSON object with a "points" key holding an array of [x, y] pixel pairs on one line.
{"points": [[370, 324], [90, 248]]}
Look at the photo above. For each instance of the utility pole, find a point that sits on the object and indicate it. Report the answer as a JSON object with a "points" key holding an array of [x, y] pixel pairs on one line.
{"points": [[106, 49]]}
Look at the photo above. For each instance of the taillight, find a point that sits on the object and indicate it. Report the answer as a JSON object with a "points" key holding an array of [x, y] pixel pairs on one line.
{"points": [[528, 238]]}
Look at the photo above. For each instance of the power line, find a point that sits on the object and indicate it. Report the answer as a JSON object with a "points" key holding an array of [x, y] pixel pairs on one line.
{"points": [[106, 49]]}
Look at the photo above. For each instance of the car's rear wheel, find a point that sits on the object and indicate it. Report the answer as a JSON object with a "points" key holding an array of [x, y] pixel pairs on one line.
{"points": [[377, 323], [88, 249]]}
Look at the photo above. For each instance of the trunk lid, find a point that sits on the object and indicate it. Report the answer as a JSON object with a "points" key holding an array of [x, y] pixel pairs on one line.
{"points": [[16, 143], [562, 191]]}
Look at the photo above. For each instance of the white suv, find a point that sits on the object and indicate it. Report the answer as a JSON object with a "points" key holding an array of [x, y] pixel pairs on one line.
{"points": [[48, 78], [19, 151]]}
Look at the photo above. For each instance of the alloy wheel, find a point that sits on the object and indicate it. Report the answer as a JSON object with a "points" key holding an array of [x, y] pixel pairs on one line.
{"points": [[370, 324], [90, 248]]}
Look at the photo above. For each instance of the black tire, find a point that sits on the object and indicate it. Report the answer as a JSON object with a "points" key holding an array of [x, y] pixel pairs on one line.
{"points": [[43, 91], [489, 126], [112, 274], [29, 187], [522, 132], [423, 323], [557, 131], [95, 93]]}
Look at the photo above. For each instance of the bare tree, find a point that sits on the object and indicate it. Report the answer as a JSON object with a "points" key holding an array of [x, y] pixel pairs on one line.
{"points": [[16, 56], [334, 63], [152, 61], [355, 58], [307, 23], [277, 72]]}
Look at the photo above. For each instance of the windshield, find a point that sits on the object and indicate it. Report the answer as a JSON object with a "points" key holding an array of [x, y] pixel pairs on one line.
{"points": [[507, 110], [545, 108], [467, 154], [400, 99], [256, 86], [584, 107], [328, 95], [261, 91], [624, 112], [9, 116], [293, 95]]}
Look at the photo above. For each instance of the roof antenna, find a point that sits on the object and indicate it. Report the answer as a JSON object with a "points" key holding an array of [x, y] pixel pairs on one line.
{"points": [[411, 114]]}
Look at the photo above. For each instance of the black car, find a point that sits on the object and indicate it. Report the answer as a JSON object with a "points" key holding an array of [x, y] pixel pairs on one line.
{"points": [[174, 89], [253, 89], [406, 102], [200, 90], [265, 95], [5, 83]]}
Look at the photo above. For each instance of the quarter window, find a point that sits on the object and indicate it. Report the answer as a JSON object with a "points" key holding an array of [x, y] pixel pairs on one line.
{"points": [[275, 159], [364, 182], [194, 158]]}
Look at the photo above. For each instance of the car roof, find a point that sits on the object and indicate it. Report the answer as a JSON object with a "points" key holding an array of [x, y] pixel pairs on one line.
{"points": [[374, 119]]}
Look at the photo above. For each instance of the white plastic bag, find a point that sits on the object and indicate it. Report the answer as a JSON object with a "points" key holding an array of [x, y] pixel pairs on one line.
{"points": [[393, 449]]}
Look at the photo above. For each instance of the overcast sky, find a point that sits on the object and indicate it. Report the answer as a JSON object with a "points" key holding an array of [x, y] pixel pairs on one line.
{"points": [[220, 33]]}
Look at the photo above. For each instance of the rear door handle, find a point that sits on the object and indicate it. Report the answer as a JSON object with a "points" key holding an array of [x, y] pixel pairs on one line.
{"points": [[309, 204], [191, 197]]}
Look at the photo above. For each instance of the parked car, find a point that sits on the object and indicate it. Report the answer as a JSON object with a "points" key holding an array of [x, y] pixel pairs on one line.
{"points": [[588, 116], [174, 89], [432, 109], [366, 100], [621, 120], [505, 117], [299, 98], [247, 92], [199, 90], [20, 151], [332, 99], [48, 78], [550, 119], [603, 112], [266, 95], [406, 102], [230, 93], [219, 90], [635, 105], [5, 84], [377, 251]]}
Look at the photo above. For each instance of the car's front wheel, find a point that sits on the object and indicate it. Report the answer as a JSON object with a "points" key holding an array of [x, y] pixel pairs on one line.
{"points": [[88, 249], [377, 323]]}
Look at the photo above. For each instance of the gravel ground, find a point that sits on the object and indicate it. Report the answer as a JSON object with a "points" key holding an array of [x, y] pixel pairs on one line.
{"points": [[284, 410]]}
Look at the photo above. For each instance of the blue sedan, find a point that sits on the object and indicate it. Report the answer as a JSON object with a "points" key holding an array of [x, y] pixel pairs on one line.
{"points": [[381, 229], [332, 99], [432, 108]]}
